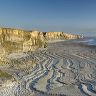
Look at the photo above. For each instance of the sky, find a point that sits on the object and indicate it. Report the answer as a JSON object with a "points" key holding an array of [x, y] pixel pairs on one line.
{"points": [[49, 15]]}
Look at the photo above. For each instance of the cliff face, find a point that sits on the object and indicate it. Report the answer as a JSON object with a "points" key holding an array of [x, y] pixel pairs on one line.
{"points": [[20, 35], [61, 35], [20, 40], [16, 34]]}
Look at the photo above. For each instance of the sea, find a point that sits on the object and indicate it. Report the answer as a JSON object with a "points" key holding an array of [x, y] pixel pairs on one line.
{"points": [[87, 41], [89, 38]]}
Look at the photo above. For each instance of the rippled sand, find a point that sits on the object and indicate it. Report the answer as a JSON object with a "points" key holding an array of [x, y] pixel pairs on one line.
{"points": [[64, 68]]}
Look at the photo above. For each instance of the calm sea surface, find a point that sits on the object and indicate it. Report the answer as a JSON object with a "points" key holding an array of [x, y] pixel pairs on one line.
{"points": [[87, 41]]}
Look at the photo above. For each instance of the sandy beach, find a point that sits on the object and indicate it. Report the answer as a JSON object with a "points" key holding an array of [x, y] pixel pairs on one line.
{"points": [[64, 68]]}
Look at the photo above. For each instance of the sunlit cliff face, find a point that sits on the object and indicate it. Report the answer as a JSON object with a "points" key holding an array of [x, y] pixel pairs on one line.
{"points": [[15, 40]]}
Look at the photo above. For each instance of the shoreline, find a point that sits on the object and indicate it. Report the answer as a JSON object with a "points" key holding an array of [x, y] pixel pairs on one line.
{"points": [[66, 64]]}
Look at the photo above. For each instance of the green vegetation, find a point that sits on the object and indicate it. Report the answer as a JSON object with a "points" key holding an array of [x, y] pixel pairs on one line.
{"points": [[4, 75]]}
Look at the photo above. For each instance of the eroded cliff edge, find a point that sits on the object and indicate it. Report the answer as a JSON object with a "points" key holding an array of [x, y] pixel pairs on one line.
{"points": [[10, 34], [17, 40]]}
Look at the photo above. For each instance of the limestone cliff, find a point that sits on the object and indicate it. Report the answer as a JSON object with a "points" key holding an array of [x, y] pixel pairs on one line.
{"points": [[10, 34], [16, 40]]}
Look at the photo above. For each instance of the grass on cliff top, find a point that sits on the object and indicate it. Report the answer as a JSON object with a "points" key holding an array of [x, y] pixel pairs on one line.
{"points": [[4, 75]]}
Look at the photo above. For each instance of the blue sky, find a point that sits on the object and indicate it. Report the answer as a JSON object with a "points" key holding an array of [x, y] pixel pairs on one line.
{"points": [[49, 15]]}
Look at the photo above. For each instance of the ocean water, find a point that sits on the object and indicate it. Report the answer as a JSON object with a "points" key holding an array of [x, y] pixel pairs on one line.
{"points": [[89, 37], [87, 41], [91, 41]]}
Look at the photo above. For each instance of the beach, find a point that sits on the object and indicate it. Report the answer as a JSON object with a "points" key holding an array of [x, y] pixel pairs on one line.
{"points": [[63, 68]]}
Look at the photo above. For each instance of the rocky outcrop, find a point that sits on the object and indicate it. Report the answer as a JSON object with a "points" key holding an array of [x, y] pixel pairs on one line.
{"points": [[22, 40], [10, 34], [61, 35]]}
